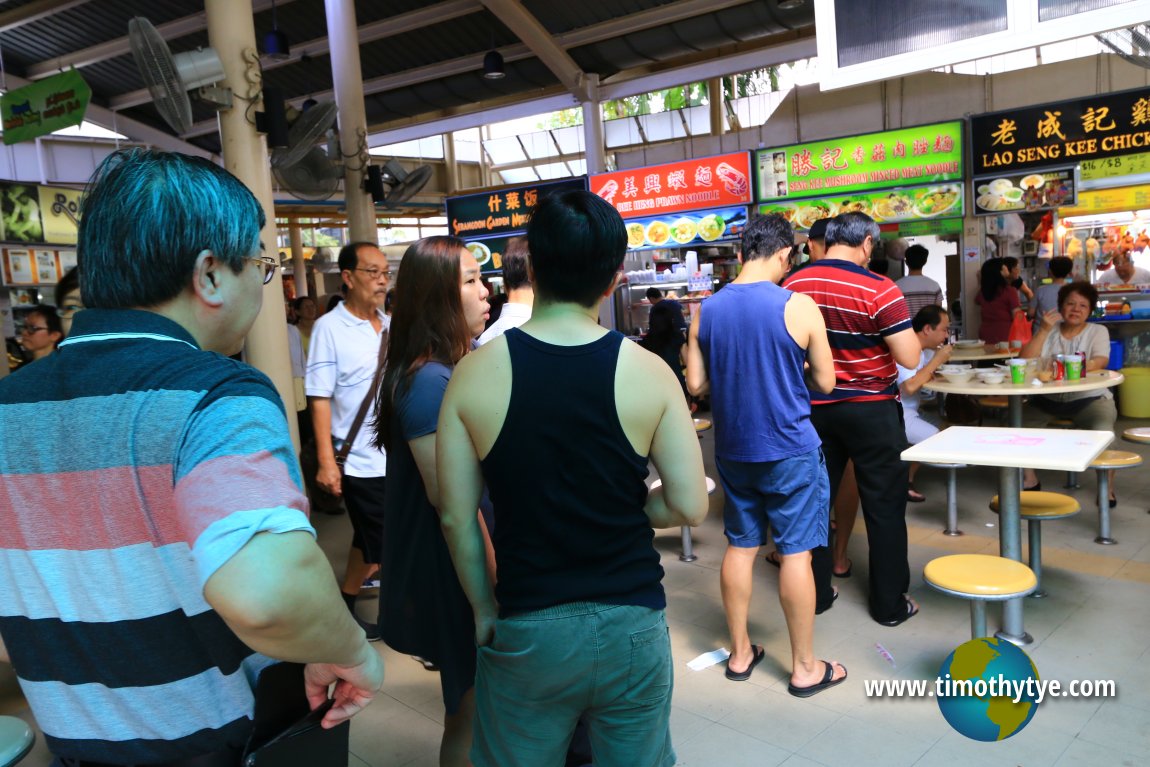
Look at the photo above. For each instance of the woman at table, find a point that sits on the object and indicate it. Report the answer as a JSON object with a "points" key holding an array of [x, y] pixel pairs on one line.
{"points": [[998, 301], [1065, 331], [422, 608]]}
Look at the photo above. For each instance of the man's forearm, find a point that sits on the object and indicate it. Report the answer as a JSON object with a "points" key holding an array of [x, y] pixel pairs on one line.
{"points": [[321, 423], [468, 553]]}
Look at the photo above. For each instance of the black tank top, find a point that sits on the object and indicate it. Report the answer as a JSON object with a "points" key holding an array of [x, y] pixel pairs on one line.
{"points": [[567, 486]]}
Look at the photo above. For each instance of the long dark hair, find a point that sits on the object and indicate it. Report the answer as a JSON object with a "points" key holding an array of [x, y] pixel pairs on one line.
{"points": [[993, 282], [662, 328], [427, 322]]}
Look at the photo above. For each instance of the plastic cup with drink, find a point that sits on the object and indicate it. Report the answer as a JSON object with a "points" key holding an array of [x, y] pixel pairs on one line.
{"points": [[1017, 370]]}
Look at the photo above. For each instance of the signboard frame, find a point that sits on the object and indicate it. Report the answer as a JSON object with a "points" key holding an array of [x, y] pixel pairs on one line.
{"points": [[703, 183]]}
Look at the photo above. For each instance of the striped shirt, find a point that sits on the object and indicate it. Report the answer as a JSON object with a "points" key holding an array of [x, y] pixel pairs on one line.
{"points": [[919, 291], [132, 466], [860, 308]]}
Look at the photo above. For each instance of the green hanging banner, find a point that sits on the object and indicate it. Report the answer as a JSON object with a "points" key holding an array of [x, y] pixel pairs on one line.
{"points": [[44, 106]]}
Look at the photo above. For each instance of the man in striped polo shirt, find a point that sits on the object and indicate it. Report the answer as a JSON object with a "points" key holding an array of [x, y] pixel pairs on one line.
{"points": [[156, 552], [861, 420]]}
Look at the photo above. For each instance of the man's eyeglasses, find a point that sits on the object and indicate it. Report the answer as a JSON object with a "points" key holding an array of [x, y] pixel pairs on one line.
{"points": [[30, 329], [67, 310], [374, 274], [268, 264]]}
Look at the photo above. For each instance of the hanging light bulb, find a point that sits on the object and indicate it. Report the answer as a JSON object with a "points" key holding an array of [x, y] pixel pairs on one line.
{"points": [[493, 66]]}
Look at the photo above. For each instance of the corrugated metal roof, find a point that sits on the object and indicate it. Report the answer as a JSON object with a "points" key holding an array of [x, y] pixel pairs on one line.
{"points": [[42, 40]]}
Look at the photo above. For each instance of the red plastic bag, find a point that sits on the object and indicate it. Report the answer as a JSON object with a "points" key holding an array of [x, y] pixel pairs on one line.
{"points": [[1019, 329]]}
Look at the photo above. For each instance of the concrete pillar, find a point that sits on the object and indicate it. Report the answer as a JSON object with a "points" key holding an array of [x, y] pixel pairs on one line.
{"points": [[593, 127], [298, 265], [715, 99], [231, 32], [448, 140], [347, 77]]}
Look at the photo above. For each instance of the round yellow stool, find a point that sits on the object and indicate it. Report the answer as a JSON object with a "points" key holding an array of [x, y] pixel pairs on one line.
{"points": [[1037, 506], [1107, 460], [980, 578], [1139, 434]]}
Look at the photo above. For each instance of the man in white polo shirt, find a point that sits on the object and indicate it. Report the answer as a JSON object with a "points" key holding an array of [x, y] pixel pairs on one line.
{"points": [[342, 363]]}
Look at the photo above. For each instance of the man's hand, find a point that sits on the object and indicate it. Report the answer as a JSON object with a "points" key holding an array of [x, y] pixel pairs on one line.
{"points": [[329, 478], [943, 354], [484, 628], [355, 686]]}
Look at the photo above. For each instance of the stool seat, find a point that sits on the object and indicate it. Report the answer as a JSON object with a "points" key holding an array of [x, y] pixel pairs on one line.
{"points": [[946, 465], [995, 401], [1060, 423], [16, 740], [1040, 504], [1137, 434], [702, 424], [980, 576], [1116, 459]]}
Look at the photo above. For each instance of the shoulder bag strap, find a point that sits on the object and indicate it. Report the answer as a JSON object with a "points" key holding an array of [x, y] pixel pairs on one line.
{"points": [[341, 455]]}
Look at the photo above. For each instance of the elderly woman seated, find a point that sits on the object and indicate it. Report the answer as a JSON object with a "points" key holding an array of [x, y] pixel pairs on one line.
{"points": [[1065, 331]]}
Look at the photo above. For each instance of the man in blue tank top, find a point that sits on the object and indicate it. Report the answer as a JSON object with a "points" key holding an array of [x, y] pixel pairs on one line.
{"points": [[749, 344], [560, 417]]}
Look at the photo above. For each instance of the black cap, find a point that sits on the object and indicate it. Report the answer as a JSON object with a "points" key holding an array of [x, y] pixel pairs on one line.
{"points": [[818, 230]]}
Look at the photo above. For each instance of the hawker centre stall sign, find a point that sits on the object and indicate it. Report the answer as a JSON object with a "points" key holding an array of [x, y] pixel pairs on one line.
{"points": [[708, 182], [45, 106], [502, 211], [1065, 132], [926, 154]]}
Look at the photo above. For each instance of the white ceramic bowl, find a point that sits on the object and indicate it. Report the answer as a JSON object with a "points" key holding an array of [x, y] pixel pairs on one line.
{"points": [[957, 376], [946, 370], [991, 377], [968, 344]]}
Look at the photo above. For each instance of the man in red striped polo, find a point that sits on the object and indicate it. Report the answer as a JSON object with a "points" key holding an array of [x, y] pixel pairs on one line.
{"points": [[869, 328]]}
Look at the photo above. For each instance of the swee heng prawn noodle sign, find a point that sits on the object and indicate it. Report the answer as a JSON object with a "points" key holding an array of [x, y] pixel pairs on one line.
{"points": [[696, 184]]}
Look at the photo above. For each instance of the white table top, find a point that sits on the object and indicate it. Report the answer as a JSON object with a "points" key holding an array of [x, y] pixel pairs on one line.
{"points": [[976, 353], [1099, 379], [1054, 449]]}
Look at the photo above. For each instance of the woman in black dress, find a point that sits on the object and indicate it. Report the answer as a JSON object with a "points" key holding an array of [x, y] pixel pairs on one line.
{"points": [[440, 307]]}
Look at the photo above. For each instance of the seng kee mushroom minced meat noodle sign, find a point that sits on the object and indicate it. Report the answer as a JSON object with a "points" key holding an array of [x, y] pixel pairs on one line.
{"points": [[896, 176]]}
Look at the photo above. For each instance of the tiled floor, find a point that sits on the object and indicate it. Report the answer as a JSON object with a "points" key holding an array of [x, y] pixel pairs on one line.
{"points": [[1095, 625]]}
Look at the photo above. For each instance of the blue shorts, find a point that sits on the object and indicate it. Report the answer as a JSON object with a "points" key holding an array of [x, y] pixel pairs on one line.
{"points": [[792, 495]]}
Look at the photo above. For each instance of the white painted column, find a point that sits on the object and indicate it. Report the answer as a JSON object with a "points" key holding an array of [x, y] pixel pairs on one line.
{"points": [[298, 265], [593, 127], [347, 79], [231, 32]]}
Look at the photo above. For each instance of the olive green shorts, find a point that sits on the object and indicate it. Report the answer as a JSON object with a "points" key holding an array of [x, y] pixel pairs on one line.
{"points": [[610, 664]]}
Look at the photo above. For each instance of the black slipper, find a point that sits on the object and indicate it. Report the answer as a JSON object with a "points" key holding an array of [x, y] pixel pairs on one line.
{"points": [[914, 496], [814, 689], [757, 655], [772, 558], [1037, 487], [845, 573], [832, 604], [911, 611]]}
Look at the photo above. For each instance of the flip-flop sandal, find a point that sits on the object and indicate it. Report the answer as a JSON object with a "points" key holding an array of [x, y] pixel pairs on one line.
{"points": [[845, 573], [911, 611], [914, 496], [828, 682], [757, 655], [834, 597]]}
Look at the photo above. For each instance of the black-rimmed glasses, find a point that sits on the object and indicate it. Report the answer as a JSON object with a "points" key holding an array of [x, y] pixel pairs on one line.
{"points": [[269, 265], [374, 274]]}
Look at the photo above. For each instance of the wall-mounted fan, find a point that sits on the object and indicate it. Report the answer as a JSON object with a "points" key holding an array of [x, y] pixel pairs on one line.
{"points": [[393, 184], [170, 77], [313, 177], [307, 128], [1132, 44]]}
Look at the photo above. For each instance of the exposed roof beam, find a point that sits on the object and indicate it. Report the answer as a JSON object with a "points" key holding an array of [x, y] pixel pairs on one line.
{"points": [[667, 14], [35, 11], [172, 30], [378, 30], [528, 29], [757, 58], [134, 130]]}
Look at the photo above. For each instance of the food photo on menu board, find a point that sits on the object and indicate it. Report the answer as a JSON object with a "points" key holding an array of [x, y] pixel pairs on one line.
{"points": [[1025, 192], [686, 229], [886, 207]]}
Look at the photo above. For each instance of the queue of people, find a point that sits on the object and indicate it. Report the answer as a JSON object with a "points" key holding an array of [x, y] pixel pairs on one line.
{"points": [[496, 492]]}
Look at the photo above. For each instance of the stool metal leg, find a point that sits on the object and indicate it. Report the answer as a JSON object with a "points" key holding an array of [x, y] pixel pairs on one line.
{"points": [[1104, 509], [688, 554], [1034, 528], [952, 503], [978, 619], [1072, 481]]}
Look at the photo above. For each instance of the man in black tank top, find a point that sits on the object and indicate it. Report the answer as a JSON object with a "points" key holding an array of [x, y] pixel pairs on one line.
{"points": [[560, 417]]}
